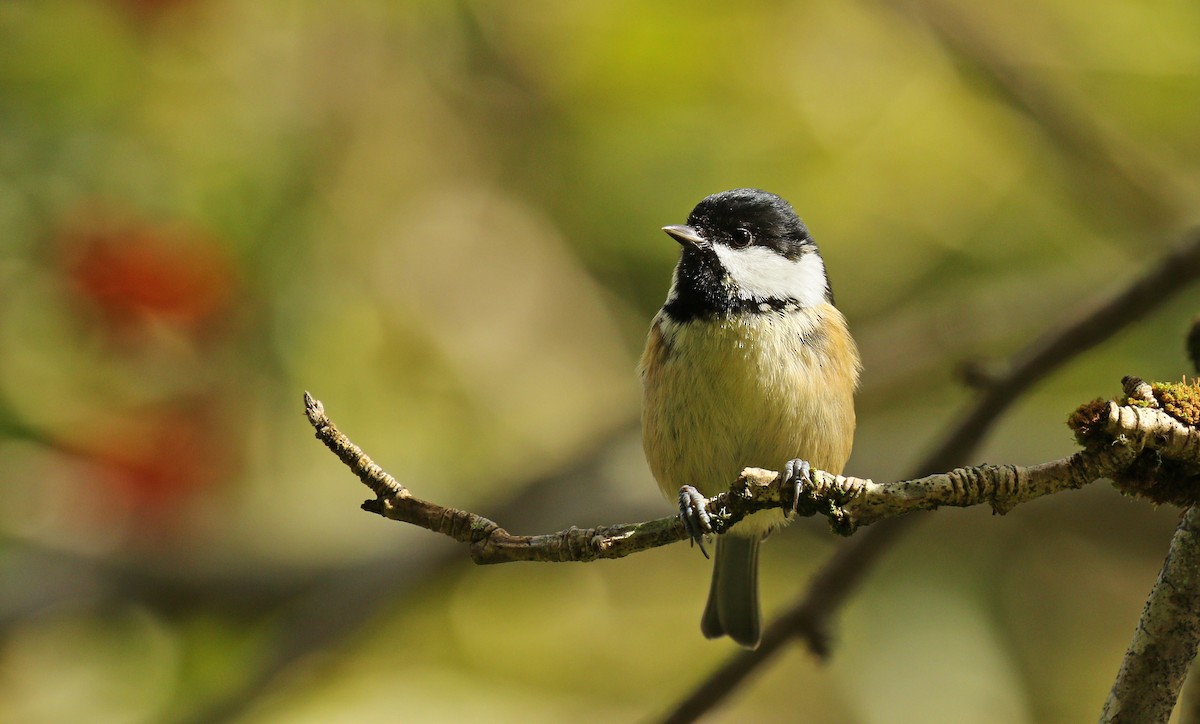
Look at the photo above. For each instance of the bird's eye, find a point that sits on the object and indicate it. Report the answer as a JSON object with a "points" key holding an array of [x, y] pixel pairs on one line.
{"points": [[742, 237]]}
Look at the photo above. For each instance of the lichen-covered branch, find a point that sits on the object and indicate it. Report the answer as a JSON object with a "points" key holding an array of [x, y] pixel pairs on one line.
{"points": [[1165, 641], [848, 503], [1127, 432], [1153, 428]]}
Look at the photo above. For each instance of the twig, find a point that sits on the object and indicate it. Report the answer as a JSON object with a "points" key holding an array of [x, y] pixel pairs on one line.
{"points": [[848, 503], [488, 542], [1165, 641]]}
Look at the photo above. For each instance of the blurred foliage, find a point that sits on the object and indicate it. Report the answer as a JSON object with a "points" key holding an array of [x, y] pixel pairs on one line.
{"points": [[442, 218]]}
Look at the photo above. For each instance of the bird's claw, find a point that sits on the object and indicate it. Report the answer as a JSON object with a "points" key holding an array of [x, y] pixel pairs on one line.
{"points": [[797, 473], [695, 518]]}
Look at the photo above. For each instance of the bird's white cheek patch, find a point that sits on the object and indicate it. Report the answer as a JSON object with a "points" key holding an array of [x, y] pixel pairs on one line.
{"points": [[760, 273]]}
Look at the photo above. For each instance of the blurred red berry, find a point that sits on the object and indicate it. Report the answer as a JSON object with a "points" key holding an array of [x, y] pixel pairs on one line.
{"points": [[132, 270], [154, 461]]}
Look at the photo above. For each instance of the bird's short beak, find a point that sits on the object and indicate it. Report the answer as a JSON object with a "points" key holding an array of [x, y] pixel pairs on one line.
{"points": [[685, 235]]}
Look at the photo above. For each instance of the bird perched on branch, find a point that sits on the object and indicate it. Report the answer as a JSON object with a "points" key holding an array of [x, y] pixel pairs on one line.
{"points": [[747, 363]]}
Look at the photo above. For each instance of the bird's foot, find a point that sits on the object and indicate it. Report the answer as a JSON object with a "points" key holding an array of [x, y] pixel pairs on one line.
{"points": [[796, 474], [694, 516]]}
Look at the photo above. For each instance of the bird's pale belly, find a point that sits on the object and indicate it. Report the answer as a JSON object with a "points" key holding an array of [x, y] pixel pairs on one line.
{"points": [[720, 396]]}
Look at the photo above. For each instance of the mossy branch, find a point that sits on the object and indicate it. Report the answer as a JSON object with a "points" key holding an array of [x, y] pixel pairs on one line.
{"points": [[1117, 438]]}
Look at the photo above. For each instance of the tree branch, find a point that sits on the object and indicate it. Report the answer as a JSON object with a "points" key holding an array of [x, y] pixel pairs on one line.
{"points": [[487, 541], [1165, 641], [846, 502]]}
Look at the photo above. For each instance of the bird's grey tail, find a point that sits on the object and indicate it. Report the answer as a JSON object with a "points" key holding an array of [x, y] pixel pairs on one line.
{"points": [[732, 608]]}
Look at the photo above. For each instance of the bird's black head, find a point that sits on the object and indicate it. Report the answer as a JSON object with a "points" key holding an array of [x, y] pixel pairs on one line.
{"points": [[744, 250], [749, 217]]}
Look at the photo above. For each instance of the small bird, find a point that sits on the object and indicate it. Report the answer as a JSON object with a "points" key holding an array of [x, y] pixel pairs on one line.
{"points": [[748, 363]]}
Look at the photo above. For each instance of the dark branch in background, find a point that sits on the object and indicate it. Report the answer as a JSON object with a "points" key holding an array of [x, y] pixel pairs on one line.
{"points": [[1192, 345], [1177, 269], [808, 618]]}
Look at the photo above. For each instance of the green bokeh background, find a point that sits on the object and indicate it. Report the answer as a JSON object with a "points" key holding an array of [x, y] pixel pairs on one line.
{"points": [[442, 219]]}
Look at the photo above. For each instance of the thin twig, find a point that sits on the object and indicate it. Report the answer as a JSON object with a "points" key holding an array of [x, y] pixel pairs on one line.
{"points": [[847, 502]]}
